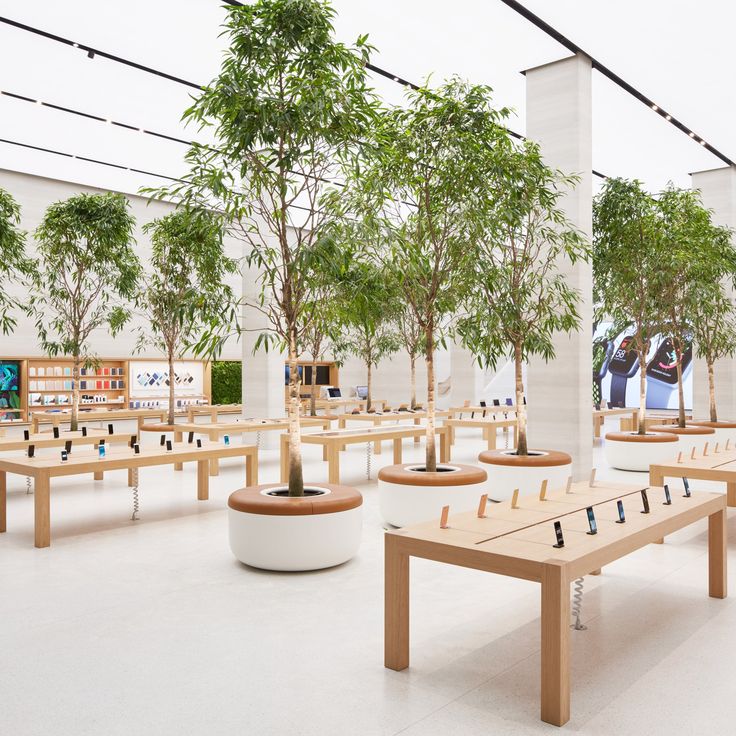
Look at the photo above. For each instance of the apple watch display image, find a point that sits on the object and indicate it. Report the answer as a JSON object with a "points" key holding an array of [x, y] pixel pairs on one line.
{"points": [[662, 373], [623, 365]]}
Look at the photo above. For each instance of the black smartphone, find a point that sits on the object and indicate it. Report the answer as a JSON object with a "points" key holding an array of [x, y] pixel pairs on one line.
{"points": [[687, 487], [621, 515], [26, 435], [110, 429], [137, 449], [64, 456], [102, 440], [56, 433], [68, 446], [667, 497], [84, 431], [31, 450], [199, 443], [169, 446], [163, 440], [133, 440], [558, 534], [645, 501], [190, 438], [591, 520]]}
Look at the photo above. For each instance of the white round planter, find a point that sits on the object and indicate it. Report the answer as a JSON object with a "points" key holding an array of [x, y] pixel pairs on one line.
{"points": [[508, 471], [690, 438], [292, 534], [407, 495], [631, 451]]}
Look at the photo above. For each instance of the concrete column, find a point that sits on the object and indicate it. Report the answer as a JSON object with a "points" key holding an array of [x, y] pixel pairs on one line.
{"points": [[559, 112], [263, 372], [462, 376], [718, 190]]}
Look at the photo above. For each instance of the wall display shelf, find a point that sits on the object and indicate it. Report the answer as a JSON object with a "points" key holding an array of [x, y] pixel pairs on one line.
{"points": [[32, 385], [327, 375]]}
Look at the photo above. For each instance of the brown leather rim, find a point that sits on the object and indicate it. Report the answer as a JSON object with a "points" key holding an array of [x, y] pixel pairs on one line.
{"points": [[551, 458], [466, 475], [161, 427], [714, 425], [252, 501], [634, 437], [683, 430]]}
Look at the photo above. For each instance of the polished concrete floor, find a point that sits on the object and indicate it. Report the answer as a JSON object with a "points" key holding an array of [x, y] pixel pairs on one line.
{"points": [[152, 627]]}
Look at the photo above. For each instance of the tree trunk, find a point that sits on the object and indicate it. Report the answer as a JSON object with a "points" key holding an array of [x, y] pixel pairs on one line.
{"points": [[413, 361], [521, 448], [313, 397], [74, 424], [296, 477], [712, 392], [642, 392], [172, 389], [680, 389], [431, 456], [369, 402]]}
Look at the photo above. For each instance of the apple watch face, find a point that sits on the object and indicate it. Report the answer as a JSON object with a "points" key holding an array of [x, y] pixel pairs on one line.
{"points": [[624, 359], [663, 365]]}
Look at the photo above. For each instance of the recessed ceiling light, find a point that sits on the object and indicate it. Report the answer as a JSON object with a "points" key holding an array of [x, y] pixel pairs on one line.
{"points": [[692, 135], [76, 45], [396, 79], [702, 143], [655, 108], [669, 117]]}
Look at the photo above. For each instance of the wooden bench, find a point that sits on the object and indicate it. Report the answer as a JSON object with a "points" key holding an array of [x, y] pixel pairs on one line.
{"points": [[518, 542]]}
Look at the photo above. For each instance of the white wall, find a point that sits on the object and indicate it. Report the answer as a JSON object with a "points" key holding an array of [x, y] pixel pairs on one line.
{"points": [[34, 194]]}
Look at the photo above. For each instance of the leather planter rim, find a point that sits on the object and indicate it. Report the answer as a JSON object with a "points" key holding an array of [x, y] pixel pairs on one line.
{"points": [[251, 500]]}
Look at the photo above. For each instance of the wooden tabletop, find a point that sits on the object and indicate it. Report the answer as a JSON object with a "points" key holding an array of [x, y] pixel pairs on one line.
{"points": [[46, 439], [388, 416], [367, 434], [250, 425], [612, 411]]}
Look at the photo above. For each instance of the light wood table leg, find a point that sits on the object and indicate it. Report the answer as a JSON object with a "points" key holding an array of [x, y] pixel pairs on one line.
{"points": [[215, 462], [398, 451], [451, 432], [417, 422], [131, 477], [596, 572], [555, 644], [377, 444], [177, 438], [491, 436], [717, 555], [3, 501], [203, 480], [444, 448], [396, 606], [285, 458], [731, 494], [597, 426], [251, 469], [99, 475], [333, 463], [42, 510]]}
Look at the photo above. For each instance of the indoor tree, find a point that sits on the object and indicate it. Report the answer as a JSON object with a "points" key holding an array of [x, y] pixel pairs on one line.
{"points": [[364, 304], [13, 264], [86, 273], [628, 281], [521, 297], [417, 194], [289, 105], [714, 331], [697, 253], [412, 339], [184, 288]]}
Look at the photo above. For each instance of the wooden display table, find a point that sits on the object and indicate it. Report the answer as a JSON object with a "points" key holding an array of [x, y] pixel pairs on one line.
{"points": [[651, 420], [216, 430], [333, 442], [42, 469], [715, 466], [489, 426], [519, 543], [386, 418], [212, 411], [329, 404], [55, 418], [599, 416]]}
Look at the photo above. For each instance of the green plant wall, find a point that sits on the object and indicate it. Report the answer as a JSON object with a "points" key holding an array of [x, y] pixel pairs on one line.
{"points": [[227, 385]]}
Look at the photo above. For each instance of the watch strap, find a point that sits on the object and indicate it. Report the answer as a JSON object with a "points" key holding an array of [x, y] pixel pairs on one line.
{"points": [[618, 389]]}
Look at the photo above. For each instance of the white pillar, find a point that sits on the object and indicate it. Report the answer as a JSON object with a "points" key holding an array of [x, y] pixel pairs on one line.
{"points": [[718, 190], [263, 372], [462, 376], [559, 112]]}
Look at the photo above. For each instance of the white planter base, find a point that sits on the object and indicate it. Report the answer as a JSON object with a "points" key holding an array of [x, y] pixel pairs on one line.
{"points": [[504, 479], [638, 456], [403, 504]]}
